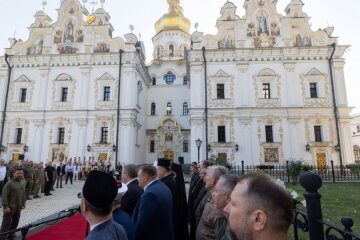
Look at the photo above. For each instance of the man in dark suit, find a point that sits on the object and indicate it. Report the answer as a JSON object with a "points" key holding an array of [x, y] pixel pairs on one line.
{"points": [[99, 192], [129, 177], [165, 175], [153, 212]]}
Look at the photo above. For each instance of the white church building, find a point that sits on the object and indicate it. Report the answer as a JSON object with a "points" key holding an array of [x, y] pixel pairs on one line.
{"points": [[265, 89]]}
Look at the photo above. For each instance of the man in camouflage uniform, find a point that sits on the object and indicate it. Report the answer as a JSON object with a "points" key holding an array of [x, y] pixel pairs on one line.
{"points": [[36, 181], [28, 174]]}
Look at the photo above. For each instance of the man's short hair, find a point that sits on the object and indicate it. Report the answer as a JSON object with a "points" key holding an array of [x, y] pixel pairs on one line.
{"points": [[149, 170], [228, 182], [101, 212], [19, 169], [205, 164], [218, 171], [131, 170], [266, 194]]}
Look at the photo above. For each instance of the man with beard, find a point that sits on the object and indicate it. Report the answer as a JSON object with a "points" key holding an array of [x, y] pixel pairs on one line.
{"points": [[260, 209], [13, 201], [165, 175]]}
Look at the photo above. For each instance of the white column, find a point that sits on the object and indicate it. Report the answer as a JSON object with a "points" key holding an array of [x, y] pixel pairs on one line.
{"points": [[292, 85], [244, 86]]}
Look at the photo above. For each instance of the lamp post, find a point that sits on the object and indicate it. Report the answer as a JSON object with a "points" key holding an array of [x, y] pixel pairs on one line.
{"points": [[2, 148], [114, 148], [88, 148], [26, 149], [198, 143], [307, 147]]}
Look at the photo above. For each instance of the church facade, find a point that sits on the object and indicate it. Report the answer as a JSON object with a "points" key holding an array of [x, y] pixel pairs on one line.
{"points": [[265, 89]]}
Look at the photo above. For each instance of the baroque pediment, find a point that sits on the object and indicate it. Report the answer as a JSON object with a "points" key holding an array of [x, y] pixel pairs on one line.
{"points": [[263, 27], [105, 77]]}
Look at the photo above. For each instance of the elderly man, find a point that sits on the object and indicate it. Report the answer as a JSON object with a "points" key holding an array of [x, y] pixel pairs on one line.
{"points": [[210, 216], [221, 196], [129, 178], [13, 201], [259, 209], [153, 212], [99, 192]]}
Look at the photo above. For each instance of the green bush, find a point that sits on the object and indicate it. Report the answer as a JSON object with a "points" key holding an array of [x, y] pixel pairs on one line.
{"points": [[354, 168], [296, 168]]}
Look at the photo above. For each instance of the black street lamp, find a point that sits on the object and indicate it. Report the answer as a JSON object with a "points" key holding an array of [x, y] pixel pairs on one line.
{"points": [[307, 147], [88, 148], [26, 148], [114, 148], [2, 148], [198, 143]]}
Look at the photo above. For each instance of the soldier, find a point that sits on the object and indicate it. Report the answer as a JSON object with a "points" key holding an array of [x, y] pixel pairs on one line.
{"points": [[37, 180], [42, 177], [54, 177], [28, 172]]}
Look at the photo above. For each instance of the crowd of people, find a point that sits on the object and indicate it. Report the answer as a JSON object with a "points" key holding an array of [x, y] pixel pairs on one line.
{"points": [[150, 202]]}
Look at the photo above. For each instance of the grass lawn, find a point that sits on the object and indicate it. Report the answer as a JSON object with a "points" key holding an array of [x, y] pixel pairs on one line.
{"points": [[337, 200]]}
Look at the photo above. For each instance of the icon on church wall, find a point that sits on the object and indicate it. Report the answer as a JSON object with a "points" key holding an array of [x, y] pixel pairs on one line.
{"points": [[168, 137], [251, 31], [79, 36], [67, 49], [36, 48], [302, 41], [58, 37], [101, 48], [262, 24], [275, 30], [69, 32], [271, 154]]}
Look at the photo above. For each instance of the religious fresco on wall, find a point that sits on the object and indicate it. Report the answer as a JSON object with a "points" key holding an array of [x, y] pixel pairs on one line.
{"points": [[262, 24], [302, 41], [79, 36], [58, 37], [69, 32], [228, 41], [271, 154], [101, 47], [251, 31], [67, 49], [275, 30], [36, 48]]}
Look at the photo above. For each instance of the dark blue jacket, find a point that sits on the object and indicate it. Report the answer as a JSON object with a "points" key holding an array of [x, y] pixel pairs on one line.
{"points": [[153, 213], [108, 230], [122, 218]]}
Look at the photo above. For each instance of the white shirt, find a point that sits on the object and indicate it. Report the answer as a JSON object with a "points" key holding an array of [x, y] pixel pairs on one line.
{"points": [[2, 173], [95, 225]]}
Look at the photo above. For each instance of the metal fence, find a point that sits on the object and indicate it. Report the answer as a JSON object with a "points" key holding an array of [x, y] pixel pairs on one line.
{"points": [[311, 221], [330, 173]]}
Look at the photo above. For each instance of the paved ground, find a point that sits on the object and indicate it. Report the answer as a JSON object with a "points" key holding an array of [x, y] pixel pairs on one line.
{"points": [[39, 208]]}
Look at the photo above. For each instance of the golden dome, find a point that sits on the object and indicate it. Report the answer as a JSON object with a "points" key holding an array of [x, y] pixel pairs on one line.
{"points": [[174, 19]]}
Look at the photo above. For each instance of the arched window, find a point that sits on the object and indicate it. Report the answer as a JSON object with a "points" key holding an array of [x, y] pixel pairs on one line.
{"points": [[185, 108], [171, 50], [169, 78], [154, 81], [153, 109], [185, 80], [168, 109], [152, 146], [185, 146]]}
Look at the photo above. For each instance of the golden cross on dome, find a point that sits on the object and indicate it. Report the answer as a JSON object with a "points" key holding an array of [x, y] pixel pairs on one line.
{"points": [[174, 6]]}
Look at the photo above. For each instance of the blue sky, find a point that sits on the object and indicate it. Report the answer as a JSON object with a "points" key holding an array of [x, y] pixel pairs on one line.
{"points": [[17, 15]]}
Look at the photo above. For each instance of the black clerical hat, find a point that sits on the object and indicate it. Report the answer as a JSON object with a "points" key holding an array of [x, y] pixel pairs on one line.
{"points": [[163, 162], [100, 189]]}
